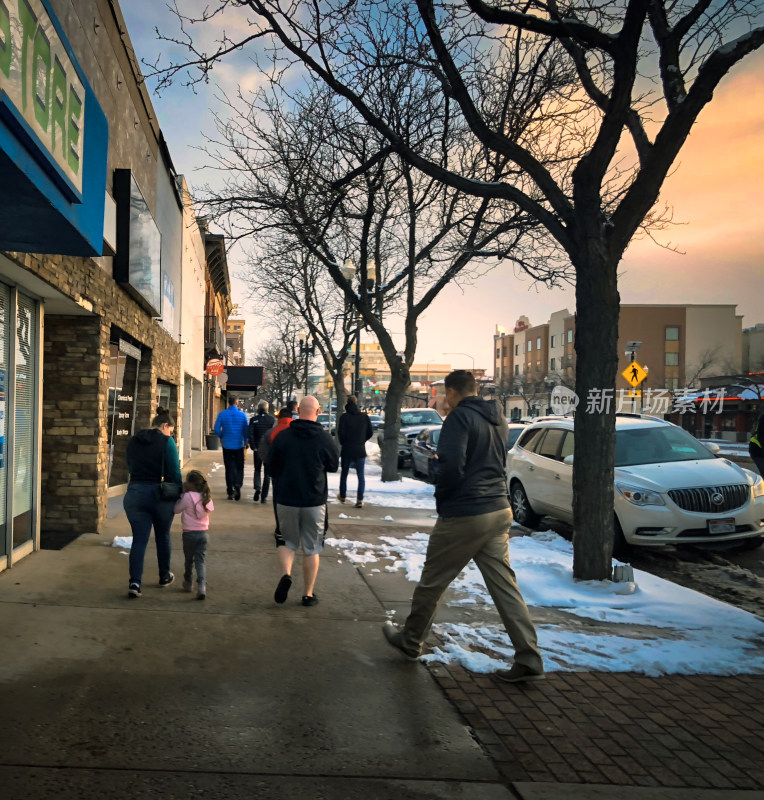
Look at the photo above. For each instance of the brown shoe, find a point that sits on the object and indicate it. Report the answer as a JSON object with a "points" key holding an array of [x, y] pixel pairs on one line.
{"points": [[394, 637], [340, 498], [519, 673], [359, 503]]}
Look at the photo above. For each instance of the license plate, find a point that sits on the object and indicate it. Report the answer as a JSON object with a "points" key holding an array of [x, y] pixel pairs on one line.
{"points": [[726, 525]]}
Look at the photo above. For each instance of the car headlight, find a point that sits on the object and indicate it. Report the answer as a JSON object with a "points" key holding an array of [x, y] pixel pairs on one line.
{"points": [[639, 496], [757, 490]]}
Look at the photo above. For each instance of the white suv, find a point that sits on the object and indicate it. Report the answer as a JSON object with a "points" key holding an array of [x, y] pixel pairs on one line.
{"points": [[669, 488]]}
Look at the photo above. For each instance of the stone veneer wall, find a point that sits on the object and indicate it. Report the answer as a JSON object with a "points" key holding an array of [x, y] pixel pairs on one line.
{"points": [[76, 357]]}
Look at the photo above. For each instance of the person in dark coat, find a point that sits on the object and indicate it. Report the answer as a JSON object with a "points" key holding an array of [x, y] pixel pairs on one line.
{"points": [[299, 458], [756, 446], [152, 456], [353, 431], [260, 425], [474, 519]]}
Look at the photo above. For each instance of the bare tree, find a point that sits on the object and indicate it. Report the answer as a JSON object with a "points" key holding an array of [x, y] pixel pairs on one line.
{"points": [[617, 88], [319, 190]]}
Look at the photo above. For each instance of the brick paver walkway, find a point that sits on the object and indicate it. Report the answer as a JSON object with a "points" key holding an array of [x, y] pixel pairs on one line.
{"points": [[617, 728]]}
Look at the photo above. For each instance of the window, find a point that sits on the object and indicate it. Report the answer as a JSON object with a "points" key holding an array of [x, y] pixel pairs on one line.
{"points": [[570, 336], [517, 369], [530, 346], [672, 359], [672, 384], [672, 334], [504, 350], [517, 349], [498, 354], [552, 364], [538, 343], [553, 342], [530, 437], [550, 447], [567, 446]]}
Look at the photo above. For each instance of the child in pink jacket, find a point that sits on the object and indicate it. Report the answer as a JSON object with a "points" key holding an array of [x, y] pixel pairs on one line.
{"points": [[194, 508]]}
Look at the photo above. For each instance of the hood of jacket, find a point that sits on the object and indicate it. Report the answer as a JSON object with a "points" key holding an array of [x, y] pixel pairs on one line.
{"points": [[352, 408], [149, 437], [486, 408], [306, 429]]}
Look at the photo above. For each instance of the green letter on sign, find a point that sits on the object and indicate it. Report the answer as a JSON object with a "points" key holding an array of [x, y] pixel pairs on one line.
{"points": [[6, 46], [75, 113], [41, 79]]}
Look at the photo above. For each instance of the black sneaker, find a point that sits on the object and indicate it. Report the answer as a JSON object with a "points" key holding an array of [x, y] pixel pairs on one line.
{"points": [[256, 496], [279, 539], [282, 590], [167, 581], [134, 590], [237, 494], [310, 600]]}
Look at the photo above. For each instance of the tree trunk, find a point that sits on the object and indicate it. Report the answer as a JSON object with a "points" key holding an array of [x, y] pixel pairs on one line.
{"points": [[597, 309], [399, 382]]}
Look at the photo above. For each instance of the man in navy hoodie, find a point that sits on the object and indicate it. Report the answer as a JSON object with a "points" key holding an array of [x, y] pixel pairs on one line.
{"points": [[474, 519], [299, 458], [232, 426]]}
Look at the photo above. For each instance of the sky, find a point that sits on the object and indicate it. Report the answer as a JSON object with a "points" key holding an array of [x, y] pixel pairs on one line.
{"points": [[714, 254], [649, 625]]}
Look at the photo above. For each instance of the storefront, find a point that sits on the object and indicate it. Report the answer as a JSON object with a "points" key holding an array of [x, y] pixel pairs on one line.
{"points": [[19, 422]]}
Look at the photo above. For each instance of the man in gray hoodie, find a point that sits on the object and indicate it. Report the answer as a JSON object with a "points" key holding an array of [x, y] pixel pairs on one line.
{"points": [[474, 519]]}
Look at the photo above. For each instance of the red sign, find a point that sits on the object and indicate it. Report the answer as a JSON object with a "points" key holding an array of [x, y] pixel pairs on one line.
{"points": [[215, 366]]}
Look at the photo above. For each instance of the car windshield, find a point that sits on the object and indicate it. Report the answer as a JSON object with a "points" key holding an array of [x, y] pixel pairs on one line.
{"points": [[657, 445], [425, 416]]}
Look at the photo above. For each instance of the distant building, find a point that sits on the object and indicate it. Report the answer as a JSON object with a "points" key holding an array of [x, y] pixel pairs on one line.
{"points": [[234, 341]]}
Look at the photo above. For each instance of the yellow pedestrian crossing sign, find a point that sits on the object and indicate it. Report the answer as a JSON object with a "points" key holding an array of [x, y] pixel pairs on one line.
{"points": [[634, 374]]}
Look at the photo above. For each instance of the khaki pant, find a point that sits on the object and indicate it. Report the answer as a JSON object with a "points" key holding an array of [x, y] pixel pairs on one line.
{"points": [[453, 543]]}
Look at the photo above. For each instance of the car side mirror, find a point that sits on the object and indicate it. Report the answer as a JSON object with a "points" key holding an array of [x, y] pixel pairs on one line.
{"points": [[713, 447], [568, 459]]}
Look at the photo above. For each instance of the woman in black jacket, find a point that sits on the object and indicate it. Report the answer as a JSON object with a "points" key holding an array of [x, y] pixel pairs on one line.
{"points": [[152, 457], [353, 431]]}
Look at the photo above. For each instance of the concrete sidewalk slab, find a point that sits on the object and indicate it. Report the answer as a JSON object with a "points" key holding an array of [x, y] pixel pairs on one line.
{"points": [[233, 696]]}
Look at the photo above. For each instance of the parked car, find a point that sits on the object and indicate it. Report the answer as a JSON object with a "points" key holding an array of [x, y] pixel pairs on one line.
{"points": [[514, 429], [323, 420], [669, 488], [424, 449], [377, 421], [413, 420]]}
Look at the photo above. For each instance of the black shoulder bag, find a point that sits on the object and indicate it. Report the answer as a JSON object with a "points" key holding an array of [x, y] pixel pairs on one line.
{"points": [[168, 490]]}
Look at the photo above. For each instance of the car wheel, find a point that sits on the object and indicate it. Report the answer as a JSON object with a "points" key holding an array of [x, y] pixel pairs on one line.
{"points": [[621, 548], [521, 508]]}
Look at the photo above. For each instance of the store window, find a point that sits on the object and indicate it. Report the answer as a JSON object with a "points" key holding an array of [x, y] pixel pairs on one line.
{"points": [[24, 420], [123, 389]]}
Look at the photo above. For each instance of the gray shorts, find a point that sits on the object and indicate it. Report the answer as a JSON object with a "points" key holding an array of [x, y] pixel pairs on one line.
{"points": [[302, 526]]}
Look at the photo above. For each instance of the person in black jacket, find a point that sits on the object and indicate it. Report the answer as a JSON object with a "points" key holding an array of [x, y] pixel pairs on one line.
{"points": [[152, 456], [353, 431], [259, 425], [299, 458], [756, 446], [474, 518]]}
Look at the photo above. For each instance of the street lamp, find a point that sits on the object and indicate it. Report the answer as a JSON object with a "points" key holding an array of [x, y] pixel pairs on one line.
{"points": [[307, 349], [467, 355], [349, 271]]}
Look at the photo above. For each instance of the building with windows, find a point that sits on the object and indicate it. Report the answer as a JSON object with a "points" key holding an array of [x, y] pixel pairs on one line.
{"points": [[234, 340], [677, 346], [103, 274]]}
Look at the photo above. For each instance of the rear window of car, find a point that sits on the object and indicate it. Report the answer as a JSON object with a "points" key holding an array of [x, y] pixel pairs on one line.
{"points": [[513, 436], [424, 417], [530, 438], [549, 446]]}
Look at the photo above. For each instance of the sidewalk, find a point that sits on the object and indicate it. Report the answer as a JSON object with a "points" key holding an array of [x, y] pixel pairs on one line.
{"points": [[236, 697]]}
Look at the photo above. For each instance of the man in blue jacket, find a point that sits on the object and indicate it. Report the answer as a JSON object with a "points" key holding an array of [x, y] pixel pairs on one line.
{"points": [[232, 426], [474, 519]]}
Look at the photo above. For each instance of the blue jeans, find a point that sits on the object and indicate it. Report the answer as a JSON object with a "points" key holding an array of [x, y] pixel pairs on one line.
{"points": [[195, 550], [357, 464], [145, 511]]}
